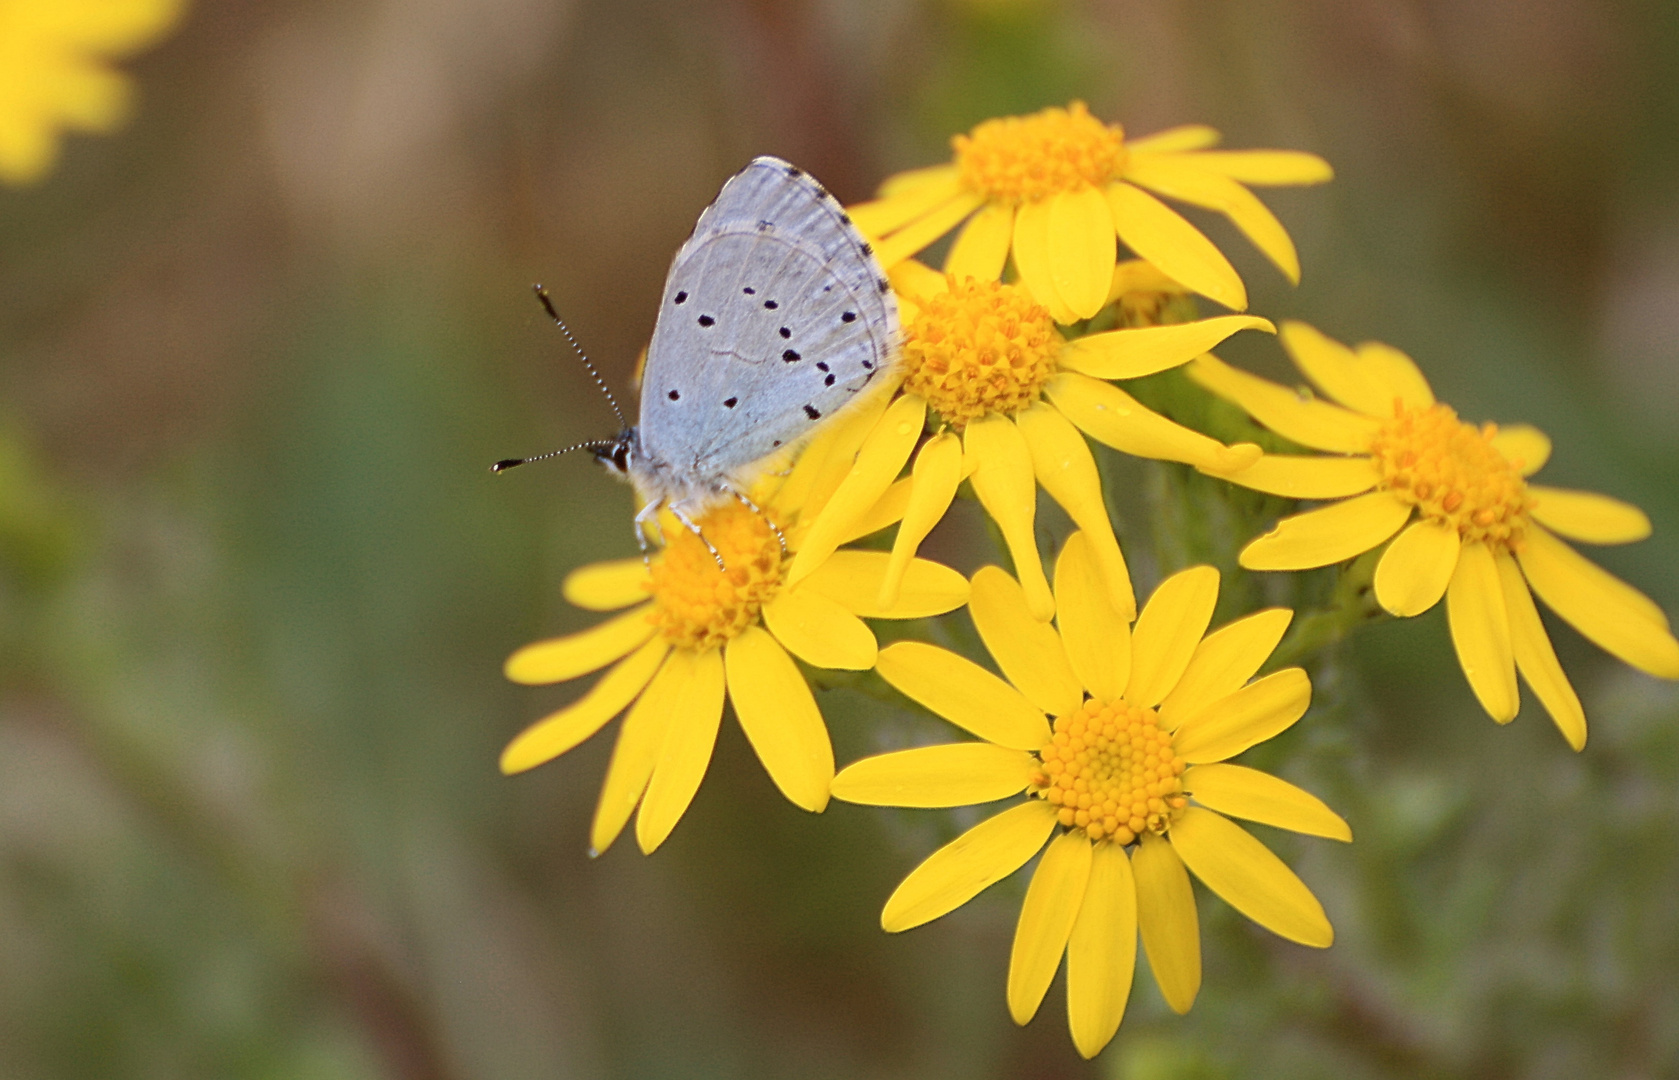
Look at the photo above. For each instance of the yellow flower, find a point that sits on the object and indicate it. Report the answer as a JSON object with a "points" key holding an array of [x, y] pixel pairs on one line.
{"points": [[1144, 720], [54, 74], [707, 631], [1474, 530], [1056, 187], [988, 361]]}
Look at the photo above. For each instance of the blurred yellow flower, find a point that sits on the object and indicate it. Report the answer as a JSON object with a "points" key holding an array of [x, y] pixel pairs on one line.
{"points": [[1055, 189], [987, 361], [54, 72], [695, 631], [1474, 530], [1144, 720]]}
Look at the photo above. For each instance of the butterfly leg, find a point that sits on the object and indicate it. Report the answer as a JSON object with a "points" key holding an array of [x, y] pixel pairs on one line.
{"points": [[644, 516], [780, 538], [692, 526]]}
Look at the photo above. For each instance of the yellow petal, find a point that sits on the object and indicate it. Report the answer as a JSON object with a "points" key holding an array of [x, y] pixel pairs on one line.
{"points": [[1523, 446], [820, 631], [825, 462], [1028, 651], [1110, 415], [1332, 534], [1257, 796], [1159, 234], [553, 735], [1535, 658], [776, 710], [606, 586], [917, 281], [933, 482], [1166, 917], [1481, 631], [1336, 370], [1184, 137], [1168, 631], [1179, 176], [887, 511], [1046, 920], [964, 693], [1144, 350], [1224, 661], [853, 579], [1259, 711], [1248, 877], [1081, 249], [1300, 476], [696, 710], [1302, 418], [939, 187], [1102, 951], [902, 183], [1096, 637], [637, 748], [1267, 168], [559, 659], [916, 235], [1619, 618], [1032, 259], [1140, 276], [959, 871], [1062, 463], [982, 247], [1415, 569], [1003, 480], [1397, 373], [1587, 516], [878, 463], [956, 774]]}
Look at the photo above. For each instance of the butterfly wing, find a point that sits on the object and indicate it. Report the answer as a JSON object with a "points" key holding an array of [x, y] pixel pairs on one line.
{"points": [[775, 316]]}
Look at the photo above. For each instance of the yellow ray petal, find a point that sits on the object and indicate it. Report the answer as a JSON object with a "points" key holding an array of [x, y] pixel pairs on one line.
{"points": [[1140, 276], [1336, 370], [1144, 350], [637, 748], [825, 462], [1267, 168], [916, 235], [1256, 796], [1166, 917], [892, 211], [878, 463], [1028, 651], [903, 183], [1110, 415], [1587, 516], [982, 247], [1298, 476], [1397, 373], [1259, 711], [558, 732], [887, 510], [1332, 534], [964, 693], [776, 710], [933, 482], [1096, 637], [1032, 259], [1081, 249], [820, 631], [1249, 878], [1174, 140], [853, 579], [956, 774], [1003, 479], [1224, 661], [1291, 414], [606, 586], [1063, 465], [1167, 633], [1159, 234], [1524, 446], [959, 871], [915, 280], [1535, 658], [1102, 951], [1619, 618], [559, 659], [1481, 631], [1177, 176], [696, 710], [1046, 921], [1415, 569]]}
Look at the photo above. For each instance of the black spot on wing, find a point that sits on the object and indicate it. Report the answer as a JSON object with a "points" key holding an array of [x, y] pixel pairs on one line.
{"points": [[829, 381], [810, 411], [771, 305], [729, 403], [850, 316], [750, 291], [674, 396], [785, 333], [682, 297], [791, 356], [706, 320]]}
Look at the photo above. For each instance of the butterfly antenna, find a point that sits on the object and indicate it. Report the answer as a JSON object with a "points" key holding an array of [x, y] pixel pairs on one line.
{"points": [[548, 306], [513, 463]]}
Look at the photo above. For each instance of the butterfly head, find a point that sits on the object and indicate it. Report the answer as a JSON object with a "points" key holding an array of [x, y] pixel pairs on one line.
{"points": [[616, 453]]}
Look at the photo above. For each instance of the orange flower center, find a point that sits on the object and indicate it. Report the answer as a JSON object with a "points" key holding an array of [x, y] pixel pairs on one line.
{"points": [[700, 605], [1111, 770], [1451, 473], [1016, 159], [981, 348]]}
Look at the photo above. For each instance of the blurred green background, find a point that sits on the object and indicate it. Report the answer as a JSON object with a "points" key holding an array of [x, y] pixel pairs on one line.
{"points": [[257, 350]]}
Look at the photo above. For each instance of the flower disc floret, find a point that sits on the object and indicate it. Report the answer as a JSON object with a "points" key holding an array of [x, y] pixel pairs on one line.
{"points": [[1015, 159], [1111, 770], [1452, 473], [981, 348], [699, 605]]}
